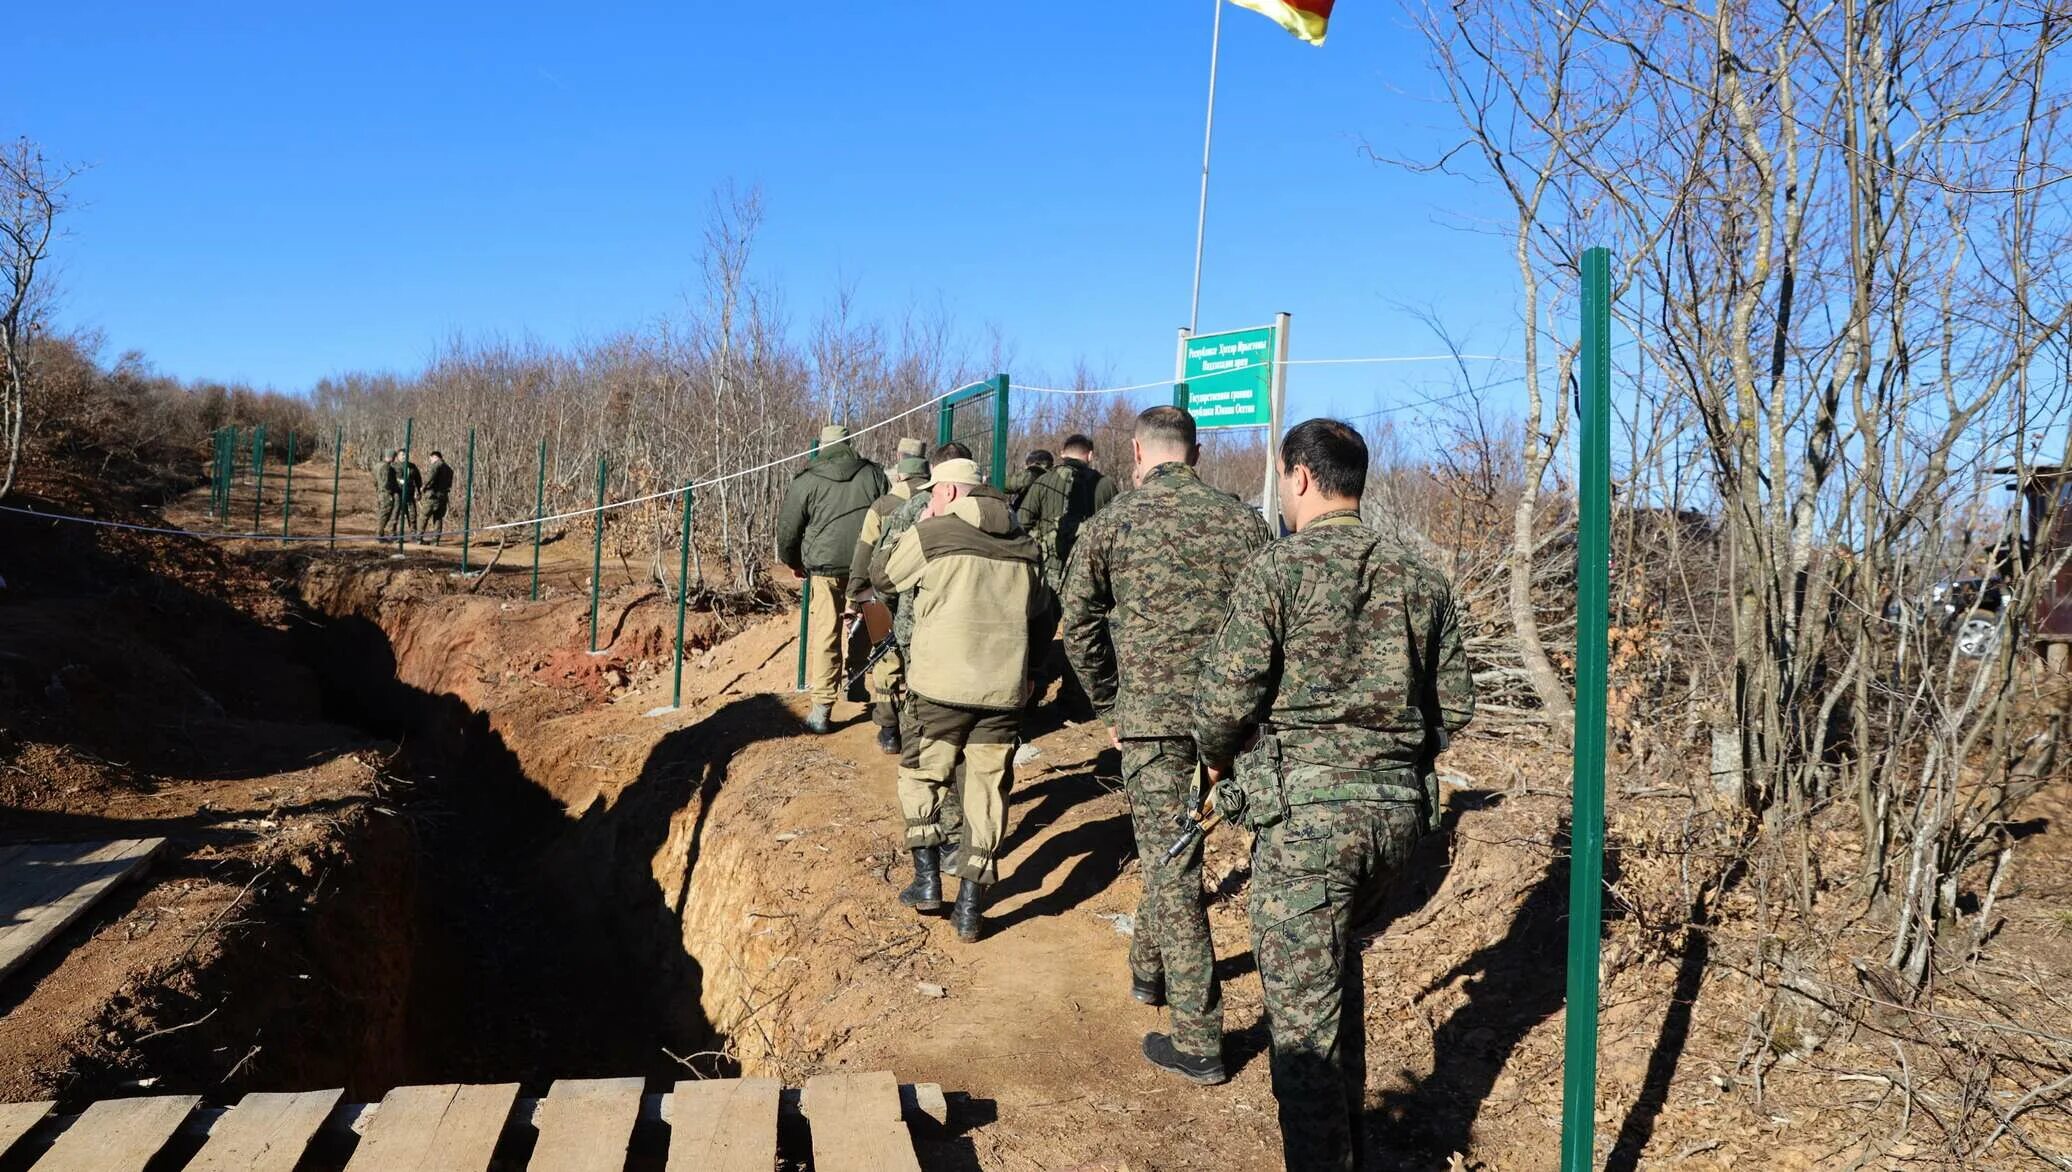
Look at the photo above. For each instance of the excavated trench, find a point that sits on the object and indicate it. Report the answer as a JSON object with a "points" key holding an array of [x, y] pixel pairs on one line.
{"points": [[511, 940]]}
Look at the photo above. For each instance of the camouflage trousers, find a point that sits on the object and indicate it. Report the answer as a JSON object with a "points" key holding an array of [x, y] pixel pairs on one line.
{"points": [[983, 744], [1172, 936], [888, 688], [1316, 876], [391, 513], [949, 808]]}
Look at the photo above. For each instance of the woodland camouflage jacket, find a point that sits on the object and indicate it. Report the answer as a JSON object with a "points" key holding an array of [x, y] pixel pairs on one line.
{"points": [[1145, 590], [1347, 647]]}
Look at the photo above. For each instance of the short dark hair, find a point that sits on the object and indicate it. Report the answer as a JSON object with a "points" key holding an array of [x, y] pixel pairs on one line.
{"points": [[1167, 427], [1332, 451], [1078, 443], [951, 451], [1039, 458], [437, 454]]}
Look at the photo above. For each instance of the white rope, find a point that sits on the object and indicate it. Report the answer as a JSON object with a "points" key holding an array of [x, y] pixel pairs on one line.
{"points": [[669, 494]]}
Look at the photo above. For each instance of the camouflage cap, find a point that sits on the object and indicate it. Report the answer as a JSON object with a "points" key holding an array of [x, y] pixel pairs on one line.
{"points": [[833, 433], [909, 446], [912, 467]]}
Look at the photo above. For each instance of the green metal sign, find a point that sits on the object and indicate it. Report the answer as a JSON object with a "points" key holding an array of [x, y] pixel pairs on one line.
{"points": [[1229, 377]]}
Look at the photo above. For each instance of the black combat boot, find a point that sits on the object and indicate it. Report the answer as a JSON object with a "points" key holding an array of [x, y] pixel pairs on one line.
{"points": [[888, 739], [924, 894], [1151, 992], [965, 917], [1161, 1052]]}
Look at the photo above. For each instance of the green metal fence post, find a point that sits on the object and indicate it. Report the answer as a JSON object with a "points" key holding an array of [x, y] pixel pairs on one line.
{"points": [[597, 555], [467, 503], [337, 465], [1000, 424], [288, 489], [407, 501], [683, 594], [539, 509], [1180, 396], [1586, 823], [945, 421], [806, 590], [258, 473]]}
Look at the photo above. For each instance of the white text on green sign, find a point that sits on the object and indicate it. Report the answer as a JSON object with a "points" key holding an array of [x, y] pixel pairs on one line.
{"points": [[1229, 378]]}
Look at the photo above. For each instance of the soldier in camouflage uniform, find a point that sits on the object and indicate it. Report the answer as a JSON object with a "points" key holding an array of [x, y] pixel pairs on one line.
{"points": [[1146, 587], [1034, 465], [888, 675], [1061, 500], [1341, 665]]}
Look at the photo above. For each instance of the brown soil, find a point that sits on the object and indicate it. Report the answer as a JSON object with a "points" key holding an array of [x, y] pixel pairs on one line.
{"points": [[498, 858]]}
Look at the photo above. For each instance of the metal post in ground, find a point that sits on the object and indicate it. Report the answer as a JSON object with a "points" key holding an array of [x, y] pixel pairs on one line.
{"points": [[539, 509], [406, 502], [683, 594], [288, 488], [337, 464], [1180, 396], [597, 555], [1000, 425], [258, 474], [806, 585], [467, 503], [1586, 822]]}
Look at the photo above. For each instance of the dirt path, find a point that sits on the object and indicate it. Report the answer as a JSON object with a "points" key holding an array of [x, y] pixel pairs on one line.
{"points": [[1037, 1023]]}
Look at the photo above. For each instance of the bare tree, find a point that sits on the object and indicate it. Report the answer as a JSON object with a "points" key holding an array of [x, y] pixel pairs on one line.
{"points": [[31, 200]]}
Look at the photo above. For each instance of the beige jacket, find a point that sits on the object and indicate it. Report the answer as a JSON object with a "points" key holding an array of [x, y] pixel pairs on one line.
{"points": [[973, 577]]}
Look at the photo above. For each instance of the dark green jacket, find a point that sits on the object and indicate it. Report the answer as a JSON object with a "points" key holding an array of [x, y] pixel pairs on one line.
{"points": [[824, 511], [1057, 504]]}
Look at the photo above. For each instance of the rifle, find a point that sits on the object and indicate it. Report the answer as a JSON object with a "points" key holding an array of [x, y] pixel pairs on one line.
{"points": [[1194, 826], [877, 653]]}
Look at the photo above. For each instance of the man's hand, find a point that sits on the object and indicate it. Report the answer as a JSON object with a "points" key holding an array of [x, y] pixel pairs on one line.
{"points": [[1215, 773], [1115, 736], [798, 574]]}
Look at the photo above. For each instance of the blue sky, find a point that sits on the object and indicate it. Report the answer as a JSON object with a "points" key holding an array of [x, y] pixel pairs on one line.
{"points": [[280, 191]]}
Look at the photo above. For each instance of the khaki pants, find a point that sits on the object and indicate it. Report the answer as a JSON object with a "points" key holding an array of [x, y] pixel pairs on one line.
{"points": [[824, 637], [983, 743], [888, 687]]}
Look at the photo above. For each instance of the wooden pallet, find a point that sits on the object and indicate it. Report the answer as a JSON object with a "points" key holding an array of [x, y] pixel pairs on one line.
{"points": [[44, 886], [857, 1121]]}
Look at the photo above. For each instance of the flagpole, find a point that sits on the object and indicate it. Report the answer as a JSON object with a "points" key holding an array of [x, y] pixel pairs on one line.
{"points": [[1208, 136]]}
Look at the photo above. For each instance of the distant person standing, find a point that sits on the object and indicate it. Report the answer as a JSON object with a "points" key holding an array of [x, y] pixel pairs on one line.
{"points": [[970, 574], [1337, 678], [1060, 501], [888, 680], [816, 538], [1146, 588], [413, 488], [436, 491], [388, 487]]}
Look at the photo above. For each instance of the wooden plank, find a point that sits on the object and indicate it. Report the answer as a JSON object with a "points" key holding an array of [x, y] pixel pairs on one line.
{"points": [[585, 1124], [61, 891], [447, 1127], [724, 1125], [856, 1124], [265, 1133], [16, 1119], [118, 1135]]}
